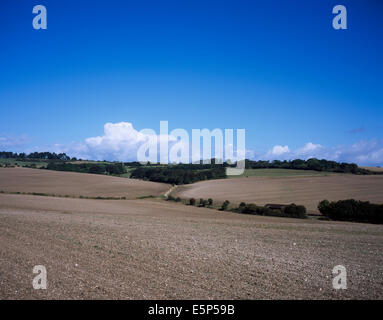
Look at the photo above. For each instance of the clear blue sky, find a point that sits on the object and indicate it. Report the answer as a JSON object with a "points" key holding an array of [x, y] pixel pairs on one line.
{"points": [[276, 68]]}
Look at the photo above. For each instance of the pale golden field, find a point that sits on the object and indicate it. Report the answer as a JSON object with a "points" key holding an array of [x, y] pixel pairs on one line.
{"points": [[375, 169], [75, 184], [307, 191]]}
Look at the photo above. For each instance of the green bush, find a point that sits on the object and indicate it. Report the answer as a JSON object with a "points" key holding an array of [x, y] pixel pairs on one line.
{"points": [[192, 201], [264, 211], [171, 198], [210, 202], [295, 211], [278, 213], [178, 199], [249, 208], [292, 210], [225, 205], [323, 206]]}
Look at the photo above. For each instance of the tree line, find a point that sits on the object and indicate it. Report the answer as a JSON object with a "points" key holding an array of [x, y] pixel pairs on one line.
{"points": [[177, 174], [35, 155], [97, 168], [352, 210], [310, 164], [186, 166]]}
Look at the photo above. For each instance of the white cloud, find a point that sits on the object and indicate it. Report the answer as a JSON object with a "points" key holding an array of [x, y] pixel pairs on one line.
{"points": [[279, 150], [362, 153], [309, 148], [120, 141]]}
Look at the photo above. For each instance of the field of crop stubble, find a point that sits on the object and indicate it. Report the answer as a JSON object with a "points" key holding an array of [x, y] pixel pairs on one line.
{"points": [[155, 249], [304, 190], [76, 184]]}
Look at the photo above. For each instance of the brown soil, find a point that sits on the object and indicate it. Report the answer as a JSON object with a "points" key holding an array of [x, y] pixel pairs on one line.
{"points": [[76, 184], [155, 249]]}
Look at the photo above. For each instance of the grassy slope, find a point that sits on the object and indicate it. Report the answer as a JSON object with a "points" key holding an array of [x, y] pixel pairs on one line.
{"points": [[13, 162]]}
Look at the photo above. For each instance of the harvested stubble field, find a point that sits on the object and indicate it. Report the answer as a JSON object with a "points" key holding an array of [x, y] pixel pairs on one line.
{"points": [[154, 249], [75, 184], [374, 169], [307, 191]]}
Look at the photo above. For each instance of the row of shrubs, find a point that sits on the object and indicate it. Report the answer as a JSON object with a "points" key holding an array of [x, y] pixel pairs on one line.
{"points": [[291, 211], [43, 194], [202, 202], [352, 210], [343, 210]]}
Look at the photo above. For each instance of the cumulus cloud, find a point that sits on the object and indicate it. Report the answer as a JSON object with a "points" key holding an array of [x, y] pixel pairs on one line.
{"points": [[309, 148], [362, 153], [119, 142], [279, 150]]}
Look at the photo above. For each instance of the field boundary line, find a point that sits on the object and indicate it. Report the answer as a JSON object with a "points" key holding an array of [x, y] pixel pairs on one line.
{"points": [[40, 194]]}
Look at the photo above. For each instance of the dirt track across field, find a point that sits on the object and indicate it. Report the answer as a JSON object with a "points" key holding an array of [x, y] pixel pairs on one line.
{"points": [[76, 184], [155, 249], [307, 191]]}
